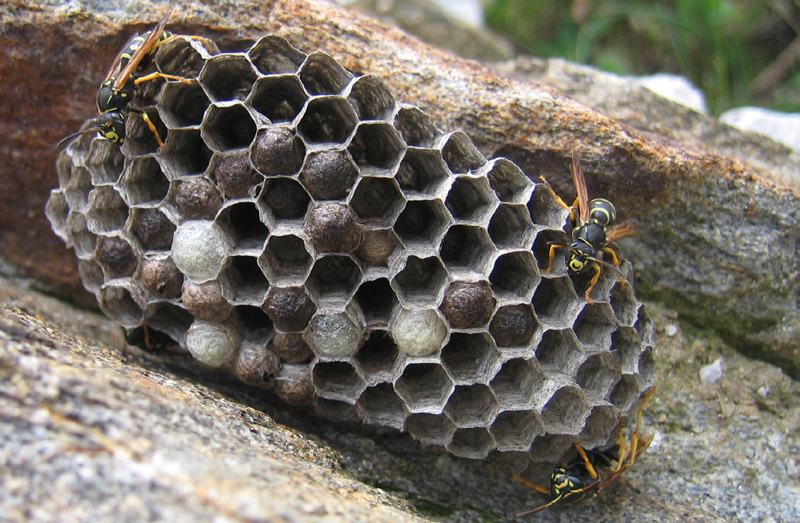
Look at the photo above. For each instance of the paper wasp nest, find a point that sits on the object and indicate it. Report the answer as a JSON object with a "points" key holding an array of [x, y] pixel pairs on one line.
{"points": [[310, 233]]}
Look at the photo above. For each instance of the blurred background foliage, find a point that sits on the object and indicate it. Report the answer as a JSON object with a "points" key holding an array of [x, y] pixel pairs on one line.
{"points": [[739, 52]]}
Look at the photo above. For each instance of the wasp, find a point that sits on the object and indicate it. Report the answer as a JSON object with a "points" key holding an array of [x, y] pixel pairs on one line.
{"points": [[580, 480], [591, 234], [119, 86], [147, 339]]}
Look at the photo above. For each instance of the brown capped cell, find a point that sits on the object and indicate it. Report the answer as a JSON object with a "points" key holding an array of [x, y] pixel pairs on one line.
{"points": [[291, 347], [332, 227], [196, 198], [468, 304], [513, 325], [117, 257], [162, 277], [277, 151], [153, 229], [329, 175], [205, 301], [376, 247], [235, 176], [256, 366], [293, 384], [289, 308]]}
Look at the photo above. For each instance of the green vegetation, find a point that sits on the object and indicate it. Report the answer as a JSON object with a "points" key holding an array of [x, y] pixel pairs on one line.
{"points": [[739, 52]]}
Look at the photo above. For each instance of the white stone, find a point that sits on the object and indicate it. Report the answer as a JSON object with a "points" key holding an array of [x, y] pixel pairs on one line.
{"points": [[711, 373], [781, 127], [677, 89]]}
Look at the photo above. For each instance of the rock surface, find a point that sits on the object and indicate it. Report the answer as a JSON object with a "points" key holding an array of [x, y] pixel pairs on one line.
{"points": [[87, 433], [718, 207]]}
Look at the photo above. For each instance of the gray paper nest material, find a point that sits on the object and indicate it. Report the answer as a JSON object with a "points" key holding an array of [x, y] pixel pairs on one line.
{"points": [[307, 231]]}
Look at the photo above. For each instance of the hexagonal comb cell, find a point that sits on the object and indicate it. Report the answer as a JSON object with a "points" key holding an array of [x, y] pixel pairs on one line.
{"points": [[337, 380], [471, 406], [152, 228], [144, 182], [422, 172], [470, 199], [420, 279], [371, 98], [228, 127], [461, 154], [377, 357], [475, 443], [279, 98], [520, 384], [416, 127], [376, 200], [466, 248], [422, 222], [510, 227], [469, 358], [425, 388], [274, 55], [515, 275], [328, 119], [242, 224], [183, 104], [321, 74], [106, 211], [376, 148], [381, 406], [286, 260], [508, 181], [516, 430], [304, 230], [227, 77]]}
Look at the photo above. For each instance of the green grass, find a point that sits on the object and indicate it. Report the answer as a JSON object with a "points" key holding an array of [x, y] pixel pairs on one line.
{"points": [[720, 45]]}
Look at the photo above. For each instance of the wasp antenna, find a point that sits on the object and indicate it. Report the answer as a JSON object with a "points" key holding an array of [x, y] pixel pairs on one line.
{"points": [[610, 266], [73, 135]]}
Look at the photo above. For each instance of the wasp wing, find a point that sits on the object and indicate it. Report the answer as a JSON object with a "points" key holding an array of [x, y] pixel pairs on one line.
{"points": [[118, 58], [140, 53], [622, 230], [580, 187]]}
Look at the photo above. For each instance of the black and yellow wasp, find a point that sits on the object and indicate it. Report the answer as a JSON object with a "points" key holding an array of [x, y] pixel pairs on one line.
{"points": [[119, 86], [591, 235], [579, 479], [147, 339]]}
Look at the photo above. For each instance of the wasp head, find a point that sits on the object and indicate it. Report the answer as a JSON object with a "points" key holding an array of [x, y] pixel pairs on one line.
{"points": [[582, 255], [111, 125]]}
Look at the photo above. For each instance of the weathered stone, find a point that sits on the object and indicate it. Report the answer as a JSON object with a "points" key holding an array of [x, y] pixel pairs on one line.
{"points": [[87, 434]]}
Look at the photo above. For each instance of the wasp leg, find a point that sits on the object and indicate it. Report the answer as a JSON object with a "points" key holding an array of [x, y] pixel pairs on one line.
{"points": [[635, 453], [152, 127], [154, 76], [627, 457], [572, 213], [615, 261], [595, 278], [588, 464], [534, 486]]}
